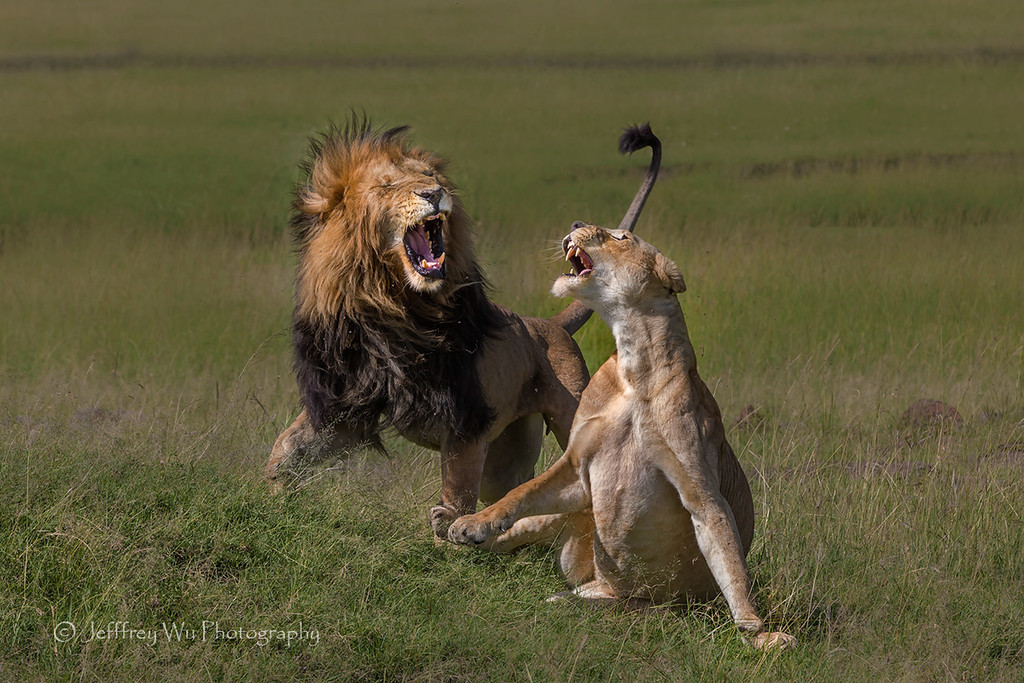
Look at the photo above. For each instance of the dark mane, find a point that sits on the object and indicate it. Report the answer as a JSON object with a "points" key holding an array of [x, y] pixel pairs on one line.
{"points": [[357, 129], [370, 376], [371, 369]]}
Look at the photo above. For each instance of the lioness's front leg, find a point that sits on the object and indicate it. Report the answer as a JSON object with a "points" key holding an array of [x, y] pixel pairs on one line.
{"points": [[557, 490], [692, 469]]}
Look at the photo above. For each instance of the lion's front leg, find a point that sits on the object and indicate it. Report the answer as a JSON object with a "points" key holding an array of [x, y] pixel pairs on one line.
{"points": [[300, 448], [462, 466]]}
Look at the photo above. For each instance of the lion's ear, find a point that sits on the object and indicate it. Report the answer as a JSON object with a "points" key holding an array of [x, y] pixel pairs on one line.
{"points": [[312, 202], [668, 273]]}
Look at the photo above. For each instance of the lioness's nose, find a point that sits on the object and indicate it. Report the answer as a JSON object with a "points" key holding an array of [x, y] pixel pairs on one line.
{"points": [[432, 195]]}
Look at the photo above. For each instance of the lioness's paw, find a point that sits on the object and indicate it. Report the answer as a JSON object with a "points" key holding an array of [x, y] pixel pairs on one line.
{"points": [[474, 530], [773, 640], [441, 518], [750, 624]]}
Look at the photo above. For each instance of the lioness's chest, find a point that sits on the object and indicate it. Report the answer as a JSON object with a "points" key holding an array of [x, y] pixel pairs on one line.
{"points": [[640, 520], [627, 486]]}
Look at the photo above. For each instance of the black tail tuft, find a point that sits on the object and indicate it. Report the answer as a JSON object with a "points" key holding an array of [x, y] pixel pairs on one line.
{"points": [[637, 137]]}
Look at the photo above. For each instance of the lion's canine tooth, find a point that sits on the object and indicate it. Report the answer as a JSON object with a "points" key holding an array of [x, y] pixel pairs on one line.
{"points": [[440, 260], [423, 264]]}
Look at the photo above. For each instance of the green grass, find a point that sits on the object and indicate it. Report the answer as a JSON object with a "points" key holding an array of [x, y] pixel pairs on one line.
{"points": [[841, 189]]}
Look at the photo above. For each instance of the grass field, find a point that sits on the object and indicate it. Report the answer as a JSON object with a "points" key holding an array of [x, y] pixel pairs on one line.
{"points": [[841, 189]]}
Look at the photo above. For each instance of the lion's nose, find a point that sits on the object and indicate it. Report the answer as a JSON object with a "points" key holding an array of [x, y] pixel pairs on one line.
{"points": [[434, 195]]}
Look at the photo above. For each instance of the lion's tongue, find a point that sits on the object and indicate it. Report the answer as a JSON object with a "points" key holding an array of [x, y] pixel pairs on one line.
{"points": [[418, 242]]}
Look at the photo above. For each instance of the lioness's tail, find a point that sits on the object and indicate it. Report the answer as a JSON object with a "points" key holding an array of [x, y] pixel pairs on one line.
{"points": [[633, 138]]}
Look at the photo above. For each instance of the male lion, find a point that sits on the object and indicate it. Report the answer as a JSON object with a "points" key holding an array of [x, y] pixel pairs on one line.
{"points": [[648, 497], [392, 326]]}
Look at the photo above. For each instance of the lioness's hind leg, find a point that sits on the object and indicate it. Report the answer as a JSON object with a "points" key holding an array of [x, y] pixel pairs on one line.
{"points": [[772, 640], [596, 590], [573, 531], [556, 530], [577, 558]]}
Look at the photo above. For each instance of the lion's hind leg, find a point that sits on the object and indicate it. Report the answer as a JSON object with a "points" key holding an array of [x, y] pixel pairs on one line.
{"points": [[511, 457]]}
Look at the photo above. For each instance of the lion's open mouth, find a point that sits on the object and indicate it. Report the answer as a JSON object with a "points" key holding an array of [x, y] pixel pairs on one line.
{"points": [[578, 259], [424, 245]]}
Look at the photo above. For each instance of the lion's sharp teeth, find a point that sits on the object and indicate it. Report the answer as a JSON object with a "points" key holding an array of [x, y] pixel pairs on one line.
{"points": [[440, 260], [423, 264]]}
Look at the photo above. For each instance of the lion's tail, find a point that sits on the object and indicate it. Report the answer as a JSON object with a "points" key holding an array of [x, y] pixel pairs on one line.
{"points": [[572, 317], [633, 139]]}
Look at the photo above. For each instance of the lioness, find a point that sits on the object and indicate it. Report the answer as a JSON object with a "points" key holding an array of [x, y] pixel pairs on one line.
{"points": [[393, 328], [649, 497]]}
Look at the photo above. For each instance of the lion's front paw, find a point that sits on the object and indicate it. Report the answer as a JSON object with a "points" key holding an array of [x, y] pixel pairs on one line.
{"points": [[476, 529], [280, 480], [441, 517]]}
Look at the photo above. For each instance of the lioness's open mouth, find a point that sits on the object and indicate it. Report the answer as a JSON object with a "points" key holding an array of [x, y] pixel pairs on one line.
{"points": [[424, 245], [578, 259]]}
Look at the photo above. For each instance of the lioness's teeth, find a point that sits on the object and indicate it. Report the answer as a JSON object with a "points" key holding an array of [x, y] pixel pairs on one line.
{"points": [[440, 260]]}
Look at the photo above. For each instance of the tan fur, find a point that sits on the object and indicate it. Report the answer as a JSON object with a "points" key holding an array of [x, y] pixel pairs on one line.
{"points": [[364, 191], [649, 498], [365, 194]]}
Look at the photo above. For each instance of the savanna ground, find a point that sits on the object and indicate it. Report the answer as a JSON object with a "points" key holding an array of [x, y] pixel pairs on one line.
{"points": [[842, 190]]}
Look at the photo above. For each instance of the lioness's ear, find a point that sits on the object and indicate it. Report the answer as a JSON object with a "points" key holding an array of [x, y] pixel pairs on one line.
{"points": [[669, 274]]}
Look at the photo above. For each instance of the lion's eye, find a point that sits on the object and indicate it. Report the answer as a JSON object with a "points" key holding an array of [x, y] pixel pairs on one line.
{"points": [[429, 173]]}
